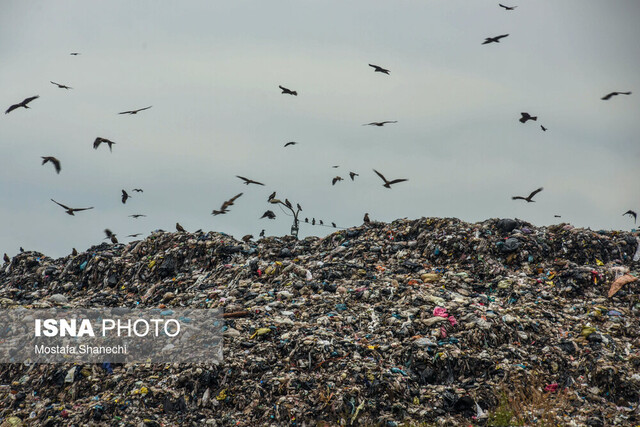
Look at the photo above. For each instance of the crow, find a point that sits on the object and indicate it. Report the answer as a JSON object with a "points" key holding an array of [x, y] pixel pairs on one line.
{"points": [[612, 94], [495, 39], [299, 207], [61, 86], [271, 196], [526, 116], [136, 111], [333, 224], [336, 179], [290, 143], [225, 205], [313, 221], [268, 214], [388, 184], [21, 104], [380, 123], [110, 236], [262, 233], [136, 215], [631, 214], [74, 252], [320, 221], [54, 161], [125, 196], [6, 258], [379, 69], [75, 53], [71, 211], [100, 140], [179, 227], [288, 91], [352, 175], [288, 204], [306, 220], [529, 197], [248, 181], [366, 218], [507, 7], [134, 235]]}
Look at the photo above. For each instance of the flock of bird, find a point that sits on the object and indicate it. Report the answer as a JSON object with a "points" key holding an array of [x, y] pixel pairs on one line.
{"points": [[286, 204]]}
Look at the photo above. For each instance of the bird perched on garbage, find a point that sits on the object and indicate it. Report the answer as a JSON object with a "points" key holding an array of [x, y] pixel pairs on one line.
{"points": [[495, 39], [248, 181], [379, 69], [631, 214], [388, 184], [262, 233], [74, 252], [336, 179], [100, 140], [125, 196], [268, 214], [136, 215], [290, 143], [110, 235], [352, 175], [6, 258], [529, 197], [138, 190], [71, 211], [247, 237], [225, 205], [179, 227], [380, 123], [135, 111], [612, 94], [54, 161], [22, 104], [366, 219], [61, 86], [507, 7], [288, 91], [526, 117]]}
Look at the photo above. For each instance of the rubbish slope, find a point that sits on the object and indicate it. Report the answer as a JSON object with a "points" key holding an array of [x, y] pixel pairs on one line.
{"points": [[417, 321]]}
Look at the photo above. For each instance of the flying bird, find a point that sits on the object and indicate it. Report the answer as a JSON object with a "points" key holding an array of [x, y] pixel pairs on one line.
{"points": [[100, 140], [61, 86], [388, 184], [134, 235], [631, 214], [612, 94], [70, 211], [557, 216], [288, 91], [6, 258], [379, 69], [333, 224], [125, 196], [380, 123], [247, 238], [507, 7], [495, 39], [336, 179], [54, 161], [21, 104], [248, 181], [138, 190], [366, 219], [268, 214], [179, 227], [111, 236], [526, 117], [529, 197], [290, 143], [136, 111], [75, 53], [136, 215], [225, 205], [352, 175], [543, 128]]}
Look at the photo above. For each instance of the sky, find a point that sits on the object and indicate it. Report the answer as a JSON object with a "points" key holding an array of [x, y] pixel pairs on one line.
{"points": [[211, 70]]}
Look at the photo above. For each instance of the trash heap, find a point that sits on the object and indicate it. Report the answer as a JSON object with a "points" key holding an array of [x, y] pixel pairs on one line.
{"points": [[416, 322]]}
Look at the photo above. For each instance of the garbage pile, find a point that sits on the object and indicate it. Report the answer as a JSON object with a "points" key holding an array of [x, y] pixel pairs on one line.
{"points": [[417, 321]]}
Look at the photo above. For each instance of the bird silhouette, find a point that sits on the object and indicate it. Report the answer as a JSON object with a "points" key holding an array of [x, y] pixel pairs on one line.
{"points": [[388, 184], [75, 53], [352, 175], [557, 216], [526, 117], [320, 221], [247, 238], [69, 210], [179, 227], [380, 123], [495, 39], [299, 207], [306, 220], [110, 235], [529, 197], [268, 214], [507, 7], [61, 86], [288, 91], [271, 196], [366, 219], [313, 221], [336, 179], [136, 215], [6, 258], [262, 233], [226, 205], [631, 214], [134, 235], [543, 128], [136, 111], [612, 94], [54, 161], [379, 69], [333, 224], [100, 140], [248, 181], [125, 196], [22, 104], [74, 252], [288, 204], [290, 143], [138, 190]]}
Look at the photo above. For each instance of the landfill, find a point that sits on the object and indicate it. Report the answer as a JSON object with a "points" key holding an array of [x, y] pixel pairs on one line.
{"points": [[432, 321]]}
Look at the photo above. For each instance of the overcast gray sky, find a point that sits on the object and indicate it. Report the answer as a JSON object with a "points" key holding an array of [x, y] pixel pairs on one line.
{"points": [[211, 70]]}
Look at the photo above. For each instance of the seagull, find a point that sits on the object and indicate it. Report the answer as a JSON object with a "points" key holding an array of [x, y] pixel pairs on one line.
{"points": [[61, 86], [379, 69], [507, 7], [134, 235], [612, 94], [56, 162], [366, 218], [179, 227], [6, 258], [380, 123], [136, 111], [225, 205], [125, 196], [70, 211], [288, 91], [352, 175], [100, 140], [529, 197], [138, 190], [21, 104], [526, 116], [495, 39], [110, 235], [248, 181], [632, 214], [543, 128], [136, 215], [268, 214], [388, 184], [336, 179], [290, 143]]}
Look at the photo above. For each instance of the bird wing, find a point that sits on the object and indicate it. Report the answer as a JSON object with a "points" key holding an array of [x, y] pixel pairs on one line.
{"points": [[13, 107], [233, 199], [81, 209], [608, 96], [533, 193], [56, 164], [142, 109], [381, 176], [518, 197], [127, 112], [390, 121], [97, 143], [28, 100], [246, 180], [501, 36], [395, 181], [501, 5], [60, 204]]}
